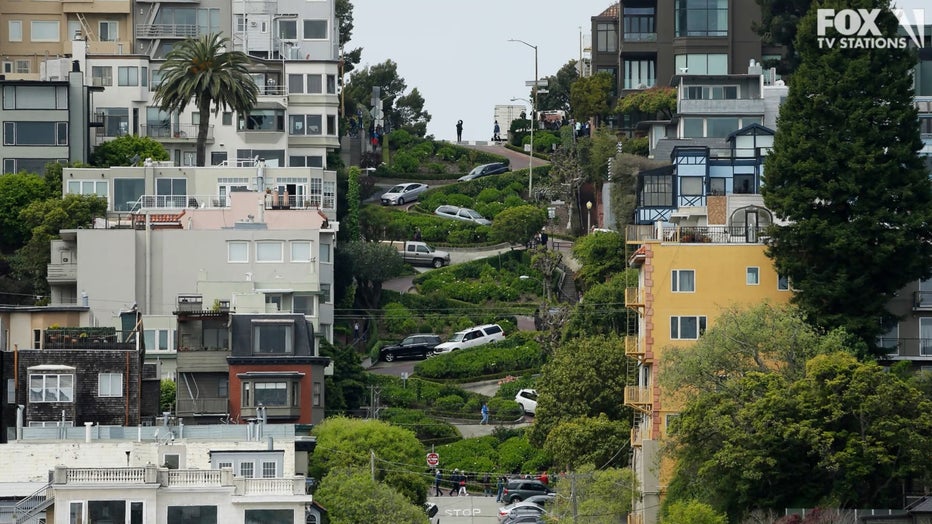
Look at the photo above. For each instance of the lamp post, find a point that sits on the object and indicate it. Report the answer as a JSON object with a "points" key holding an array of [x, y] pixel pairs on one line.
{"points": [[530, 180], [588, 216]]}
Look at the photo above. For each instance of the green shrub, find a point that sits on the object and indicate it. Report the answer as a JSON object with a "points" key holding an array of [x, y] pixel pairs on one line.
{"points": [[508, 390], [437, 167], [448, 153], [449, 404], [483, 361], [426, 428], [489, 194], [400, 139], [423, 150], [404, 163], [504, 409]]}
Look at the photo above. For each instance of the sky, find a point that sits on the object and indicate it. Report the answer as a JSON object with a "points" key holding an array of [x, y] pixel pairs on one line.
{"points": [[458, 55]]}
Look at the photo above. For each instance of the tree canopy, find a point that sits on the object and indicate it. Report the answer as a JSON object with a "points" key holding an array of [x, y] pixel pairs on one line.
{"points": [[656, 102], [204, 71], [845, 175], [589, 96], [594, 496], [120, 151], [372, 263], [517, 225], [779, 20], [557, 96], [351, 496]]}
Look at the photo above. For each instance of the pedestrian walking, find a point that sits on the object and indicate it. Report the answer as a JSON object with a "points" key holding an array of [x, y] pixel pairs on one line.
{"points": [[485, 414], [356, 331], [463, 484], [499, 489], [486, 485], [459, 131], [455, 481], [417, 233], [495, 132], [543, 238], [438, 478]]}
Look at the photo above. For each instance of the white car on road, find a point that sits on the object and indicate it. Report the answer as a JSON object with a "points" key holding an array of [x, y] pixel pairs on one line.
{"points": [[527, 398], [472, 337], [402, 194]]}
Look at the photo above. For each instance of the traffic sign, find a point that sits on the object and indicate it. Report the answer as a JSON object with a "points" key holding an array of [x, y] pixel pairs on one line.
{"points": [[433, 459]]}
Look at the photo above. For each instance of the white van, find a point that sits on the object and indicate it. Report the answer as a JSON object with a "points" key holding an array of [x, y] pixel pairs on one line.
{"points": [[472, 337]]}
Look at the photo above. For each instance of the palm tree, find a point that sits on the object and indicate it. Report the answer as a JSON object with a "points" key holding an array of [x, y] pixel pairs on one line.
{"points": [[203, 70]]}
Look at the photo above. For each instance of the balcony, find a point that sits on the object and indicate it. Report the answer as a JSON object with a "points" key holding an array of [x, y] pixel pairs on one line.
{"points": [[178, 133], [202, 360], [202, 406], [634, 297], [638, 397], [89, 338], [636, 438], [697, 234], [922, 300], [190, 303], [633, 347], [62, 273], [727, 107], [181, 478], [919, 349], [166, 31]]}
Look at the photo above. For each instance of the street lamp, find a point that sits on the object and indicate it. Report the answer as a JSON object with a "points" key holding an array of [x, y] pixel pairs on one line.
{"points": [[530, 158], [588, 215], [530, 184]]}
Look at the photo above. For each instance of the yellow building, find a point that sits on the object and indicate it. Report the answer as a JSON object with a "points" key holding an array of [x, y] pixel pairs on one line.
{"points": [[687, 275]]}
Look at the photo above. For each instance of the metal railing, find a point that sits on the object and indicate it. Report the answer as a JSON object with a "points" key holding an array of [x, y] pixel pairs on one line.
{"points": [[32, 505], [174, 131], [166, 31], [178, 202], [698, 234], [906, 347]]}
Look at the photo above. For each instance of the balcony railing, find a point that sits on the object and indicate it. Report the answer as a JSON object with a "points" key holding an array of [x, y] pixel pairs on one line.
{"points": [[640, 37], [636, 438], [698, 234], [89, 338], [633, 347], [922, 300], [638, 397], [907, 348], [166, 31], [633, 297], [203, 406], [175, 133], [272, 201], [62, 273]]}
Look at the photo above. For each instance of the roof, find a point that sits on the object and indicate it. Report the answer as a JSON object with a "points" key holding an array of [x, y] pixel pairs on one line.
{"points": [[610, 12], [751, 129]]}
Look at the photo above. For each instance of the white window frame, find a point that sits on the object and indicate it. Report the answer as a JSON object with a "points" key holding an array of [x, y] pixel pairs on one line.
{"points": [[39, 23], [304, 27], [87, 187], [113, 30], [52, 381], [783, 283], [247, 465], [15, 30], [676, 285], [265, 251], [230, 252], [110, 384], [301, 251], [676, 330], [752, 276], [269, 472]]}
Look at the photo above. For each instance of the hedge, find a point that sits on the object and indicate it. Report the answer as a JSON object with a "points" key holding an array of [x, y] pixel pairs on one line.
{"points": [[483, 362]]}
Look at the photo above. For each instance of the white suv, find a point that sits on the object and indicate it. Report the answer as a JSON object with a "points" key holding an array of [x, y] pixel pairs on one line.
{"points": [[472, 337]]}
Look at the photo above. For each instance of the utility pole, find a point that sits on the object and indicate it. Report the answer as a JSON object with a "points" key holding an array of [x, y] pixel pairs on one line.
{"points": [[573, 496], [372, 464]]}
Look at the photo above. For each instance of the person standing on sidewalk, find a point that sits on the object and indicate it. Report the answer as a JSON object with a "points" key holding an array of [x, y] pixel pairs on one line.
{"points": [[438, 478], [485, 414], [459, 131]]}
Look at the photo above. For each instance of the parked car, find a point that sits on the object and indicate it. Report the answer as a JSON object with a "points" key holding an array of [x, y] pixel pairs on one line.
{"points": [[462, 213], [472, 337], [495, 168], [417, 345], [524, 518], [517, 490], [524, 507], [527, 398], [403, 193]]}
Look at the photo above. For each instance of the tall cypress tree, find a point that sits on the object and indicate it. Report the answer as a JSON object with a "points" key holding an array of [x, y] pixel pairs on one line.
{"points": [[846, 175]]}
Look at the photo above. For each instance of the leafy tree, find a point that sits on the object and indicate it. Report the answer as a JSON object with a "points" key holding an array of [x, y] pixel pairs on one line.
{"points": [[17, 191], [372, 264], [547, 261], [601, 255], [557, 96], [44, 219], [656, 102], [167, 396], [590, 96], [344, 442], [203, 70], [343, 10], [357, 94], [846, 176], [582, 379], [410, 115], [599, 496], [120, 151], [517, 225], [765, 338], [346, 388], [625, 169], [778, 26], [693, 512], [603, 312], [351, 496], [351, 220], [570, 443]]}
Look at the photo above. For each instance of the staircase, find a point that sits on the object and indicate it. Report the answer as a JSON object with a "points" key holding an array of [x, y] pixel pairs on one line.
{"points": [[29, 509]]}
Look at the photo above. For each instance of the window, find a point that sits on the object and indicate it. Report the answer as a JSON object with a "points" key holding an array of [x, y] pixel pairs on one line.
{"points": [[606, 38], [314, 84], [331, 84], [330, 196], [657, 191], [110, 385], [712, 92], [35, 133], [157, 339], [702, 64], [269, 251], [925, 336], [752, 276], [303, 304], [288, 29], [693, 128], [683, 281], [318, 388], [271, 393], [247, 469], [115, 120], [237, 252], [701, 18], [171, 192], [783, 283], [889, 340], [128, 76], [295, 84], [263, 120], [331, 125], [744, 184], [639, 24], [221, 465], [272, 338], [51, 388], [192, 515], [640, 73], [109, 31], [315, 29], [44, 31], [15, 30], [721, 127], [308, 161], [76, 511], [300, 251], [691, 185], [686, 328], [22, 66], [106, 511], [269, 516], [269, 470], [305, 125], [325, 252], [324, 296], [87, 187]]}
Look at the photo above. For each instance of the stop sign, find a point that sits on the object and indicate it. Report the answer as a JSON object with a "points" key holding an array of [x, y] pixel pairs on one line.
{"points": [[433, 459]]}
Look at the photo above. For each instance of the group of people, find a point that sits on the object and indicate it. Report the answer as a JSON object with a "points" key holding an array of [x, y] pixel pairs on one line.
{"points": [[457, 483], [459, 479], [496, 131]]}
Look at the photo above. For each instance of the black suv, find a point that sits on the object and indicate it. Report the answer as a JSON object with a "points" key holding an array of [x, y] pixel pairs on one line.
{"points": [[419, 345], [495, 168], [517, 490]]}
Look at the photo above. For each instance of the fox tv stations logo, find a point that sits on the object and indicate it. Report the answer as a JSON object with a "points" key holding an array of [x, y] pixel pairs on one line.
{"points": [[857, 29]]}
